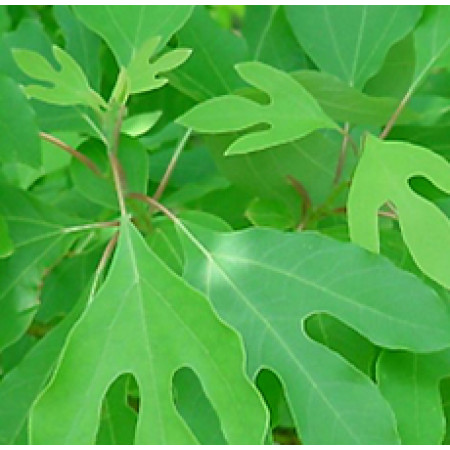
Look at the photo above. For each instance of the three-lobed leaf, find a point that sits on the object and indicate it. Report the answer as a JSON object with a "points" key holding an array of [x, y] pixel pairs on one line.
{"points": [[68, 84], [145, 321], [266, 283]]}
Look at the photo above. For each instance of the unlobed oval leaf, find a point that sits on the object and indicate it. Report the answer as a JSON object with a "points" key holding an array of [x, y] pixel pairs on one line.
{"points": [[351, 42]]}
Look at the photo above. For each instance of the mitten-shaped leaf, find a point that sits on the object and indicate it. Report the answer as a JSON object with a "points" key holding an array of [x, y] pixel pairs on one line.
{"points": [[147, 321], [411, 383], [143, 74], [382, 175], [291, 113], [266, 283], [126, 28], [68, 85]]}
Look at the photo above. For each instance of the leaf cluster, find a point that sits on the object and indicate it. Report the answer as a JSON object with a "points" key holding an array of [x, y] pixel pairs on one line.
{"points": [[224, 224]]}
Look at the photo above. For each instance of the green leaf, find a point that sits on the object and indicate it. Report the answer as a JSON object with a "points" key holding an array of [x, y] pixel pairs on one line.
{"points": [[6, 244], [118, 419], [40, 238], [164, 240], [269, 213], [346, 104], [65, 283], [411, 385], [144, 75], [291, 114], [144, 321], [311, 161], [133, 158], [80, 42], [382, 175], [141, 123], [352, 346], [266, 283], [19, 140], [5, 20], [210, 70], [30, 35], [270, 39], [397, 71], [432, 41], [127, 28], [20, 387], [195, 408], [351, 42], [68, 84]]}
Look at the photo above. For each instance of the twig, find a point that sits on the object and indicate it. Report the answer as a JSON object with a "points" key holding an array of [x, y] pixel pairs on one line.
{"points": [[117, 128], [102, 264], [342, 154], [155, 204], [75, 153], [171, 166], [306, 199], [396, 113], [391, 215], [350, 139]]}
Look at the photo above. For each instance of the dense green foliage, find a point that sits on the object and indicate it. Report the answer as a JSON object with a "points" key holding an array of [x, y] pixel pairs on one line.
{"points": [[224, 224]]}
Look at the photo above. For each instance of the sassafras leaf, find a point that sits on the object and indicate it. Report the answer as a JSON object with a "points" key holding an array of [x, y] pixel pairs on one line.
{"points": [[266, 283], [383, 175], [147, 321], [68, 84], [127, 27], [291, 113]]}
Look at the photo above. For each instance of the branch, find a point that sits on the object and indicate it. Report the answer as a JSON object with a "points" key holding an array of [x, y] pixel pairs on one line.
{"points": [[117, 171], [170, 168], [306, 199], [75, 153]]}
